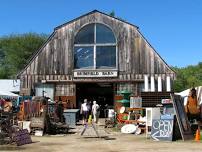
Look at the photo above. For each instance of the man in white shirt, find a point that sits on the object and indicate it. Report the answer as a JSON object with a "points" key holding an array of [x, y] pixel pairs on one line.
{"points": [[84, 111]]}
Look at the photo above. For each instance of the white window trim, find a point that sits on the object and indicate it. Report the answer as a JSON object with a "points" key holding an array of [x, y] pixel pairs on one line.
{"points": [[94, 49]]}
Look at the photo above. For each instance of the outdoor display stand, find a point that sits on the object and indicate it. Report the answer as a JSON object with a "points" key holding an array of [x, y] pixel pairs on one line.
{"points": [[164, 127], [130, 109], [132, 116], [87, 125], [167, 127]]}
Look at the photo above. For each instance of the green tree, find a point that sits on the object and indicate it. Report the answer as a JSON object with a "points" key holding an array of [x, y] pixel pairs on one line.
{"points": [[112, 13], [187, 77], [15, 51]]}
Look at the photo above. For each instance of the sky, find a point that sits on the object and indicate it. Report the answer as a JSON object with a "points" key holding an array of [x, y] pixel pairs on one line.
{"points": [[172, 27]]}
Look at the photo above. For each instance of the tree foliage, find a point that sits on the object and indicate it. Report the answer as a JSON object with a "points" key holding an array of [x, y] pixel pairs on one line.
{"points": [[187, 77], [113, 14], [15, 51]]}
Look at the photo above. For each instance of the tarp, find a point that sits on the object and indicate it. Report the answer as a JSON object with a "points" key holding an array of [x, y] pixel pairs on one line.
{"points": [[10, 85], [185, 94], [8, 94]]}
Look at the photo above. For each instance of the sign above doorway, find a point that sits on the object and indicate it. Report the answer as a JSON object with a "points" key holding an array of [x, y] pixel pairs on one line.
{"points": [[88, 74]]}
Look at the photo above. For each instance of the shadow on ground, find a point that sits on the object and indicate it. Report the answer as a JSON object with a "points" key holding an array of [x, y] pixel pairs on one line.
{"points": [[103, 137], [11, 148]]}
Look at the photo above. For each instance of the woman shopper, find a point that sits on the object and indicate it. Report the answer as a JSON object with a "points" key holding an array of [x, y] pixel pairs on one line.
{"points": [[95, 112], [192, 107]]}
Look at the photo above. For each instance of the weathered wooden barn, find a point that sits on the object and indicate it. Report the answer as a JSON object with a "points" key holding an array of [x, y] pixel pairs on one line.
{"points": [[94, 56]]}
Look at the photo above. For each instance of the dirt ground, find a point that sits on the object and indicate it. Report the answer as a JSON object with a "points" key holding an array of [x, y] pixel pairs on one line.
{"points": [[111, 141]]}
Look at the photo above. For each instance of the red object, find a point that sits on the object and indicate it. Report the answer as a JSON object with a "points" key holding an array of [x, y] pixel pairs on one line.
{"points": [[2, 102], [120, 118]]}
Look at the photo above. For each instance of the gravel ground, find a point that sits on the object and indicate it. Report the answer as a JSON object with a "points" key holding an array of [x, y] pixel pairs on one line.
{"points": [[110, 141]]}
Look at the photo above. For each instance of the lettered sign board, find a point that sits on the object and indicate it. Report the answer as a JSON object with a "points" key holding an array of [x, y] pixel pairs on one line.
{"points": [[162, 129]]}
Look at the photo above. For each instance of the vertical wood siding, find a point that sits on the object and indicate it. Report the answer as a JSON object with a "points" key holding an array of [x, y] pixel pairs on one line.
{"points": [[135, 55]]}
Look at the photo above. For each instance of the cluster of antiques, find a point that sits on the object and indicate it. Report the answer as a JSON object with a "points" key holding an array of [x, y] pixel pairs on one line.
{"points": [[176, 116], [31, 115], [173, 118], [104, 59]]}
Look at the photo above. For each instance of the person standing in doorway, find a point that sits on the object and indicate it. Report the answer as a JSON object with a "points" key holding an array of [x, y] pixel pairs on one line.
{"points": [[60, 110], [84, 111], [95, 111]]}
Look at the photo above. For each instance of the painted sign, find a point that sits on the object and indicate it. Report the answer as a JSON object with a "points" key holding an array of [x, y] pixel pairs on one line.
{"points": [[162, 129], [166, 101], [89, 74]]}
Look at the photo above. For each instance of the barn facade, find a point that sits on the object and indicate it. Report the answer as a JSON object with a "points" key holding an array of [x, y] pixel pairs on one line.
{"points": [[95, 56]]}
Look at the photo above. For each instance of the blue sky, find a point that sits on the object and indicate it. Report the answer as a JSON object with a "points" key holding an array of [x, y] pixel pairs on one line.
{"points": [[173, 27]]}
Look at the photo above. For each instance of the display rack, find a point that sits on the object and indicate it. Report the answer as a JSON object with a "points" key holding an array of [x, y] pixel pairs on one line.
{"points": [[151, 99], [137, 113]]}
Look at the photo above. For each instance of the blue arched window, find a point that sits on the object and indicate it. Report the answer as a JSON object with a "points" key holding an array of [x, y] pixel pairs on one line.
{"points": [[95, 48]]}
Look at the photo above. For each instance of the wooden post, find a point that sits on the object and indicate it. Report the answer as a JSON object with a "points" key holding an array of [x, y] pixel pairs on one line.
{"points": [[23, 110]]}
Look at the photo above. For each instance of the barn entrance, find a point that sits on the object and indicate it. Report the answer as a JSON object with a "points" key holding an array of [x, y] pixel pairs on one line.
{"points": [[101, 92]]}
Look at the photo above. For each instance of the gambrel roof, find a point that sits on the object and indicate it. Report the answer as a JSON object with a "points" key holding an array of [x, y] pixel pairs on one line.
{"points": [[76, 19]]}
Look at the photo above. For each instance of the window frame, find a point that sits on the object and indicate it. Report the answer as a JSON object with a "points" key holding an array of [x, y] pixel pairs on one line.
{"points": [[94, 45]]}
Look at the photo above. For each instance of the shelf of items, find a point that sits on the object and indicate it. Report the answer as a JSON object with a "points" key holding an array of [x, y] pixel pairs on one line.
{"points": [[135, 109], [123, 117]]}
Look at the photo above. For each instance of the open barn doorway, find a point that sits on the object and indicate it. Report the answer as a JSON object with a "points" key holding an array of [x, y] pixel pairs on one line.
{"points": [[101, 92]]}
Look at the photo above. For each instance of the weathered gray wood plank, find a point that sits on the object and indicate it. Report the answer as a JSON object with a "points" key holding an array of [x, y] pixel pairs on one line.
{"points": [[55, 61]]}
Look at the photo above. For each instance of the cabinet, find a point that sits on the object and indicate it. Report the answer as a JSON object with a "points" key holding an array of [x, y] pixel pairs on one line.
{"points": [[151, 113], [71, 116]]}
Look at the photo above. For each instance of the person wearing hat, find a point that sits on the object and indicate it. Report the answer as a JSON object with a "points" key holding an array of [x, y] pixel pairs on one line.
{"points": [[95, 111]]}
